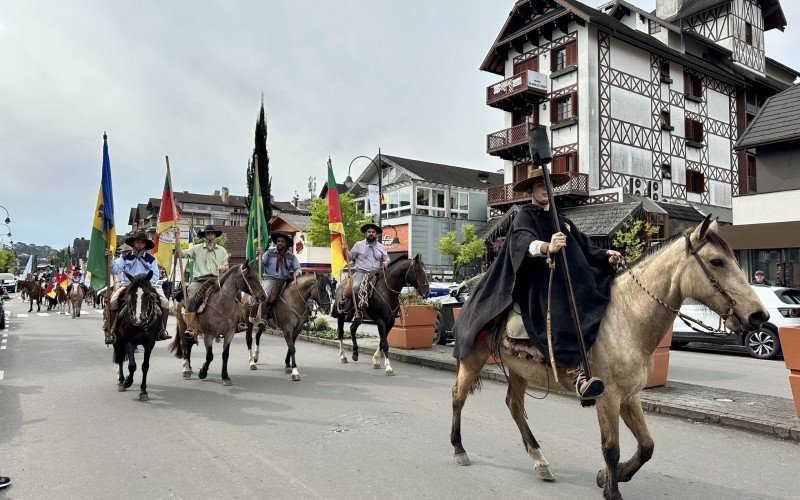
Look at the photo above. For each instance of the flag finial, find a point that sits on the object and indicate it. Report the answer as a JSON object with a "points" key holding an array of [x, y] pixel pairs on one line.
{"points": [[105, 137]]}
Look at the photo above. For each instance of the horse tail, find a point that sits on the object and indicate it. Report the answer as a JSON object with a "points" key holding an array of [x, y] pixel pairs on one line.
{"points": [[175, 346]]}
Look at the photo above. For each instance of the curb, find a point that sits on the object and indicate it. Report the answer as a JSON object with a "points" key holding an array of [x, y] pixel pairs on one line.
{"points": [[674, 400]]}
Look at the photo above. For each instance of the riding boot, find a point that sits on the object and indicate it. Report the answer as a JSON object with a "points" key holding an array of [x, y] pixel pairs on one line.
{"points": [[191, 326], [587, 389], [112, 317], [164, 334]]}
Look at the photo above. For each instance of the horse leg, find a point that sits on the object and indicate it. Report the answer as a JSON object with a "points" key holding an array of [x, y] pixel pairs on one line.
{"points": [[187, 357], [119, 356], [258, 341], [31, 308], [515, 400], [290, 343], [148, 348], [340, 331], [131, 365], [226, 380], [249, 339], [383, 349], [467, 380], [633, 416], [209, 356], [353, 330], [608, 412]]}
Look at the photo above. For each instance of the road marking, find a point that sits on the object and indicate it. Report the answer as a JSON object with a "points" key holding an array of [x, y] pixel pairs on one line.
{"points": [[5, 335], [41, 315], [2, 347], [2, 374], [22, 315], [85, 312], [4, 341]]}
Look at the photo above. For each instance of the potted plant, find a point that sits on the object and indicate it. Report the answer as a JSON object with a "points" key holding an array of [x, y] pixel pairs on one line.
{"points": [[660, 359], [414, 326], [790, 343]]}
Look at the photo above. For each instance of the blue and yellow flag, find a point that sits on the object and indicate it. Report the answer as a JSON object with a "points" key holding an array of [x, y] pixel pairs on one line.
{"points": [[103, 231]]}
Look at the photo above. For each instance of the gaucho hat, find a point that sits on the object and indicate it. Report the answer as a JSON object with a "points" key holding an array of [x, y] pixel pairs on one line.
{"points": [[537, 175], [140, 235], [376, 227], [286, 237], [209, 229]]}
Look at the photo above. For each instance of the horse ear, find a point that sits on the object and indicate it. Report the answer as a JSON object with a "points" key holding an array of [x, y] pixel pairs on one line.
{"points": [[714, 226], [700, 231], [246, 265], [417, 257]]}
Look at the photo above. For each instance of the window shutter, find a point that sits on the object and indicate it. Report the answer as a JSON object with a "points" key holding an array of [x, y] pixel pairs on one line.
{"points": [[572, 53], [574, 162], [574, 104], [560, 164], [553, 110], [553, 59], [687, 83], [698, 132], [687, 128]]}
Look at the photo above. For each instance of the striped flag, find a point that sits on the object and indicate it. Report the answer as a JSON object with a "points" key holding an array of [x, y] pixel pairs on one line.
{"points": [[335, 225], [256, 223], [104, 233], [167, 215]]}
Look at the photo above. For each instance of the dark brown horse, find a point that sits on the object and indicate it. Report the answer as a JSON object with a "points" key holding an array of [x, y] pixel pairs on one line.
{"points": [[138, 323], [383, 305], [34, 291], [289, 314]]}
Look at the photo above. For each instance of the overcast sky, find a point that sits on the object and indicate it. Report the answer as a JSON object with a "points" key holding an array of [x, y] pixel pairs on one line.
{"points": [[184, 79]]}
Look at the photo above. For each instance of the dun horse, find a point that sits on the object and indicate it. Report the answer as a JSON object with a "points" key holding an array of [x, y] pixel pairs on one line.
{"points": [[384, 303], [700, 266], [34, 291], [76, 299], [289, 314], [138, 324], [62, 299], [218, 319]]}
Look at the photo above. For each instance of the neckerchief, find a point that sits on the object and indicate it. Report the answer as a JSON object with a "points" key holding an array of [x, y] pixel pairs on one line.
{"points": [[281, 258]]}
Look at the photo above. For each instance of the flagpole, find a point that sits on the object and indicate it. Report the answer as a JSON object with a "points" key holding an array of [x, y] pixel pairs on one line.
{"points": [[344, 240], [177, 238]]}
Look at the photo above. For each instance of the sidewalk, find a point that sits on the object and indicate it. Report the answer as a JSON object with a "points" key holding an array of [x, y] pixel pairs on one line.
{"points": [[751, 412]]}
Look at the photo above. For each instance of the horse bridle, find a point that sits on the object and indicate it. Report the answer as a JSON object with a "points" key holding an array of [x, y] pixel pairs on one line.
{"points": [[247, 282], [405, 278]]}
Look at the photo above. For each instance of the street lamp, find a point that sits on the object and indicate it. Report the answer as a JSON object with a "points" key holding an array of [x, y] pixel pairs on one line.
{"points": [[349, 180], [9, 230], [395, 241], [8, 217]]}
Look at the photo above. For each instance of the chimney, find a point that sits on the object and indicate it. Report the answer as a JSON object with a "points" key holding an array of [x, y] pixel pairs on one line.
{"points": [[224, 195], [216, 192], [295, 200], [668, 8]]}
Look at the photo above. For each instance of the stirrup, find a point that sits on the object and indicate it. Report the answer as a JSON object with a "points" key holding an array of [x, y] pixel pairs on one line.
{"points": [[592, 388]]}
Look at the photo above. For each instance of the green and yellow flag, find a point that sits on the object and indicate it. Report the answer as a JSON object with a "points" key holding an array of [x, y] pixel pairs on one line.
{"points": [[256, 222], [104, 234]]}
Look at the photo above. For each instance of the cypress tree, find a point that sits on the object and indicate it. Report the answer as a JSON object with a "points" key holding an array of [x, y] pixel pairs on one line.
{"points": [[260, 150]]}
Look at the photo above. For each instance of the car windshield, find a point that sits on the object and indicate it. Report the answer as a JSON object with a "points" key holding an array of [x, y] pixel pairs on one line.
{"points": [[789, 295], [6, 276]]}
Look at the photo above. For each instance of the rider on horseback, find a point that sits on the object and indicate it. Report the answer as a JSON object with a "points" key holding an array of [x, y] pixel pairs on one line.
{"points": [[210, 260], [139, 261], [368, 255], [280, 266]]}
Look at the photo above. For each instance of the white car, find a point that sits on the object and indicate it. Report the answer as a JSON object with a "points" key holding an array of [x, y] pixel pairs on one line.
{"points": [[782, 304], [9, 281]]}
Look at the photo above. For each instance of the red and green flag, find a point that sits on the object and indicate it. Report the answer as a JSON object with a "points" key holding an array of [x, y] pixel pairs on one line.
{"points": [[167, 215], [335, 225]]}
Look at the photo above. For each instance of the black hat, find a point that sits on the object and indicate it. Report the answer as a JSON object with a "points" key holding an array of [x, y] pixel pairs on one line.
{"points": [[209, 229], [376, 227], [286, 237], [140, 235], [760, 272]]}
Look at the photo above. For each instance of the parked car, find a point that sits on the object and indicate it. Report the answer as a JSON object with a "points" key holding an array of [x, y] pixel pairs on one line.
{"points": [[782, 304], [443, 330], [9, 281]]}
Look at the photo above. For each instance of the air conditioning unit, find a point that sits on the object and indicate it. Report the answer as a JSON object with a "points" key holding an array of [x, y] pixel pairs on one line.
{"points": [[637, 186], [654, 190]]}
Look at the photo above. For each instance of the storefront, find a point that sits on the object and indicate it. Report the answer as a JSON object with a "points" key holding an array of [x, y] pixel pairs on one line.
{"points": [[773, 248]]}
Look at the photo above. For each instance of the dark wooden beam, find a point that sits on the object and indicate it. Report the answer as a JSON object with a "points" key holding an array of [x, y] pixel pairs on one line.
{"points": [[516, 44], [547, 32], [562, 23]]}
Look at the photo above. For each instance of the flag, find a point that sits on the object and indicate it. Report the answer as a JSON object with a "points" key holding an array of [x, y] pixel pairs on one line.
{"points": [[335, 225], [50, 290], [103, 231], [68, 261], [62, 278], [190, 265], [256, 223], [28, 267], [383, 196], [167, 215]]}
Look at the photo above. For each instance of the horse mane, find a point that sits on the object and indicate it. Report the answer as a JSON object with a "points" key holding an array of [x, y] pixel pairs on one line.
{"points": [[227, 274], [711, 237]]}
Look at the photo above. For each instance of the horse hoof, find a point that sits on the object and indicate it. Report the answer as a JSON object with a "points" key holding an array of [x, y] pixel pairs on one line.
{"points": [[462, 459], [120, 388], [253, 366], [227, 381], [202, 375], [143, 397], [377, 366], [343, 360], [601, 478], [390, 372], [128, 384], [543, 472], [295, 377], [355, 356], [255, 360], [287, 370], [187, 374]]}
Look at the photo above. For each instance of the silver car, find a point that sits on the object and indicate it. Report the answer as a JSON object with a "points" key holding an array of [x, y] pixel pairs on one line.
{"points": [[9, 282]]}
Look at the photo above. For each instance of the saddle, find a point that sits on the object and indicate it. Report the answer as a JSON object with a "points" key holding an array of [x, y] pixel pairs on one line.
{"points": [[280, 284], [203, 293], [344, 303]]}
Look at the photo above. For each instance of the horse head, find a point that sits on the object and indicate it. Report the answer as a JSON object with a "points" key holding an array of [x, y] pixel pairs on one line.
{"points": [[247, 280], [713, 277], [139, 296], [323, 293], [417, 277]]}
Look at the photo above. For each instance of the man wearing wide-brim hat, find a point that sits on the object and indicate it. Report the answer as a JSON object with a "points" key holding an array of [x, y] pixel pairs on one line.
{"points": [[520, 275], [278, 265], [138, 261], [210, 260], [368, 255]]}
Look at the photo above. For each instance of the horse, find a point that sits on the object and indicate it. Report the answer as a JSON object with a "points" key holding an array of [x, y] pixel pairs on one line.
{"points": [[289, 314], [34, 291], [699, 265], [383, 305], [222, 323], [76, 299], [61, 299], [138, 324]]}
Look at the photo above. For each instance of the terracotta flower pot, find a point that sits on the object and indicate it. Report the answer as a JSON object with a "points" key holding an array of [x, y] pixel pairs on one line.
{"points": [[660, 362], [790, 344], [413, 328]]}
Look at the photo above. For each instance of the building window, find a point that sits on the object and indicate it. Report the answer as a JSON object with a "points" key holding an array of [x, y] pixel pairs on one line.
{"points": [[653, 27], [564, 164], [694, 130], [748, 33], [564, 56], [563, 108], [693, 85], [663, 68], [459, 205], [666, 121], [695, 183], [430, 202], [666, 171], [199, 221], [218, 222], [398, 203], [752, 187]]}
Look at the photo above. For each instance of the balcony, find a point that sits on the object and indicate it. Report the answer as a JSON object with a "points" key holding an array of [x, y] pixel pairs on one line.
{"points": [[519, 91], [578, 186], [511, 143]]}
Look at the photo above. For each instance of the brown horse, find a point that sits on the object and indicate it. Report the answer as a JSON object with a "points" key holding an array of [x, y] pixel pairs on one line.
{"points": [[76, 299], [218, 319], [34, 291], [383, 305], [700, 266], [61, 299], [289, 314]]}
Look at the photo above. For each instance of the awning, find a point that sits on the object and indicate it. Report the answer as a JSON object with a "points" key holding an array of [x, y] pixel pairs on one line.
{"points": [[762, 236]]}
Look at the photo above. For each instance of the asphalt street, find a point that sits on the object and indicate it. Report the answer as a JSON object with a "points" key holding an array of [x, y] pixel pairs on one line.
{"points": [[343, 431]]}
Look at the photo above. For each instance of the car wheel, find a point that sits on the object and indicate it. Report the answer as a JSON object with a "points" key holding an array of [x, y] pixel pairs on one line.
{"points": [[763, 343], [679, 343], [439, 333]]}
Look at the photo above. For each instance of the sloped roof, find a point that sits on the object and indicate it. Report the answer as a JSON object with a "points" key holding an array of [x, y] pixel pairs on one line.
{"points": [[596, 221], [288, 207], [233, 200], [777, 121], [447, 174], [725, 215], [771, 9], [299, 221], [684, 212], [498, 226]]}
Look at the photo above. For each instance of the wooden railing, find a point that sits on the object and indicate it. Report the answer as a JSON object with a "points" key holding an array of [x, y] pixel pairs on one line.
{"points": [[521, 82], [578, 185], [516, 135]]}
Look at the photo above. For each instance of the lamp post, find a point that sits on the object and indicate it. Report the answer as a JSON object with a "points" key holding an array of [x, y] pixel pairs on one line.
{"points": [[8, 217], [349, 180], [9, 230]]}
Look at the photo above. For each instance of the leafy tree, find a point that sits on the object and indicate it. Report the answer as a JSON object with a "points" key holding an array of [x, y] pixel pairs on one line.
{"points": [[461, 254], [633, 238], [352, 218], [8, 261], [260, 150]]}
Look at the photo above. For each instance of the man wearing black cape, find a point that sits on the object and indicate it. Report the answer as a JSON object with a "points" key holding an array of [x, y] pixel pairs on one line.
{"points": [[520, 275]]}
